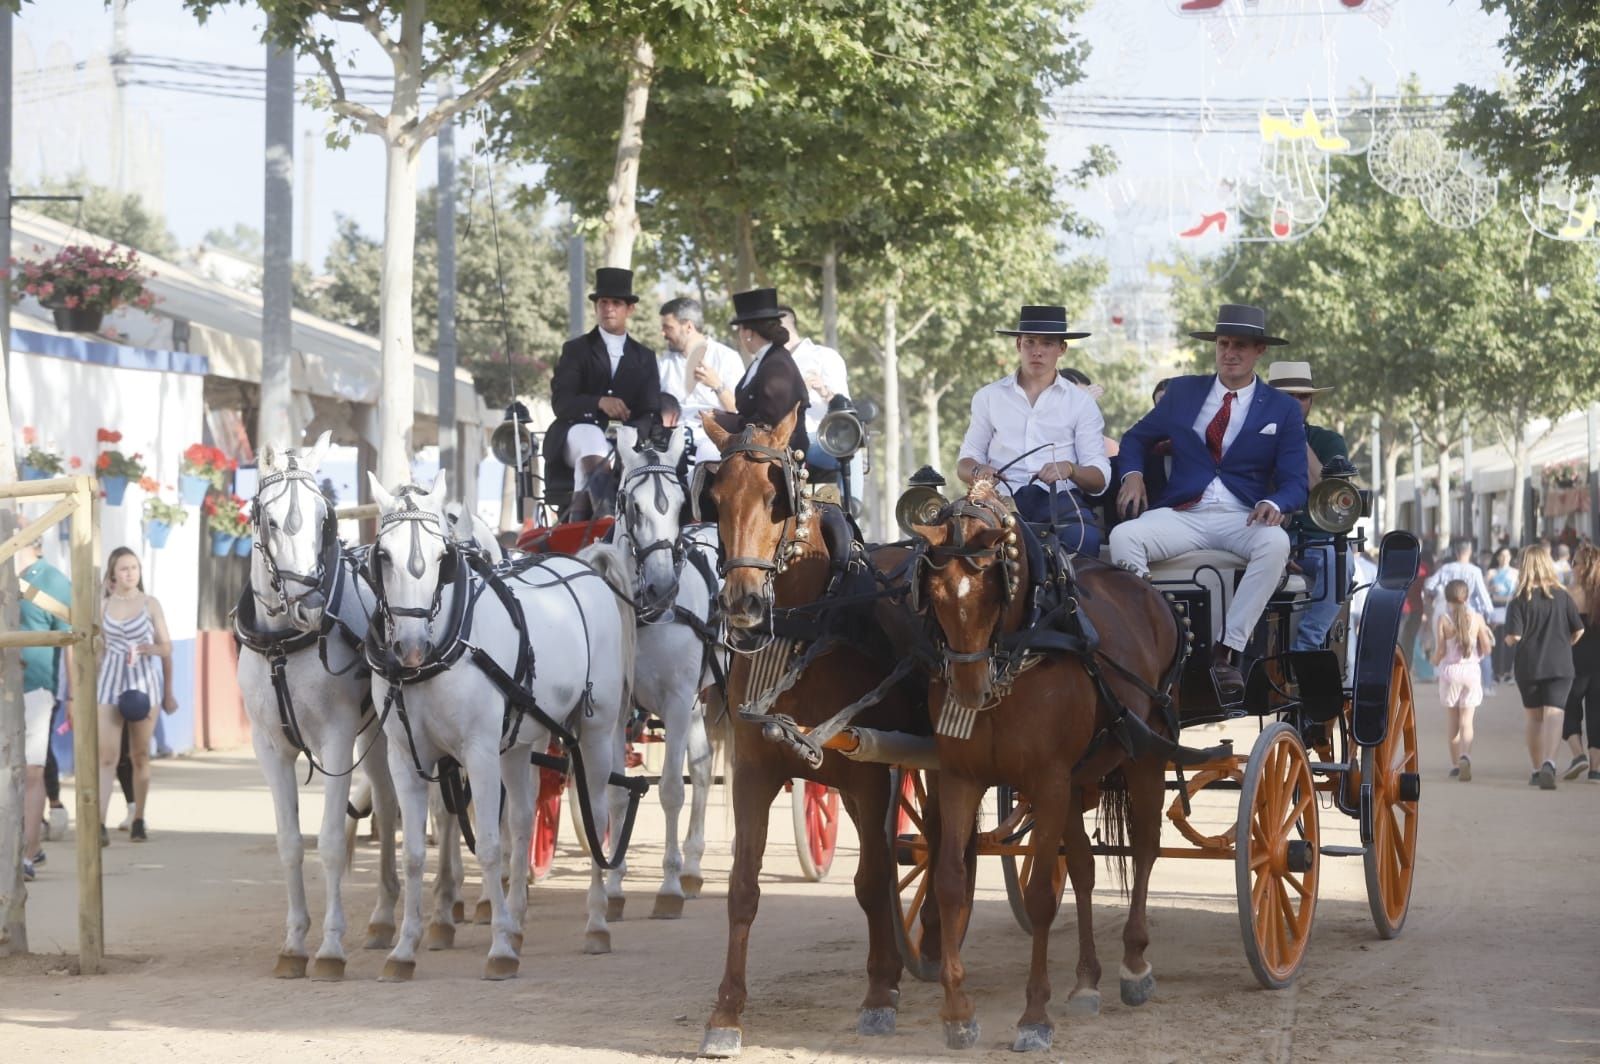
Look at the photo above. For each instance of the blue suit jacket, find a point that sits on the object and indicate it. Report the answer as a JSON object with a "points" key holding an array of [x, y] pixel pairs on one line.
{"points": [[1266, 462]]}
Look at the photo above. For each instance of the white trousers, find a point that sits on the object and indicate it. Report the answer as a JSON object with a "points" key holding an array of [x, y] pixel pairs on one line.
{"points": [[584, 441], [1160, 534], [36, 709]]}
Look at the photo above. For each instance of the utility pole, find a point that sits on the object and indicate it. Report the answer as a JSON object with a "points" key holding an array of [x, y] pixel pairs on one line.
{"points": [[277, 246], [446, 226], [119, 114], [1468, 531]]}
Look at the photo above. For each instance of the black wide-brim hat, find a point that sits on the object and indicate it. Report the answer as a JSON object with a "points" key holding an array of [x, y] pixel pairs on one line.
{"points": [[1043, 321], [611, 282], [758, 304], [1239, 319]]}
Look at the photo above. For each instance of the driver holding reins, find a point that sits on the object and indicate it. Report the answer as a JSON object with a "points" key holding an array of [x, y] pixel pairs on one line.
{"points": [[1039, 435]]}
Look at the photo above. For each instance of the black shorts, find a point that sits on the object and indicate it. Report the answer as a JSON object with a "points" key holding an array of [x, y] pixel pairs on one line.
{"points": [[1552, 691]]}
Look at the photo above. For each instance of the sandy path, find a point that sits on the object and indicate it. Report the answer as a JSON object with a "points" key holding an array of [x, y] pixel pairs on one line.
{"points": [[1500, 959]]}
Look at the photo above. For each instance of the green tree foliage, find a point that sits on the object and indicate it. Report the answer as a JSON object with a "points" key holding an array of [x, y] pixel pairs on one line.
{"points": [[104, 212]]}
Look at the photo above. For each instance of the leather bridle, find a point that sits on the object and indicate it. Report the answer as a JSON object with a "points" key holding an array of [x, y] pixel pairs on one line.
{"points": [[995, 517], [794, 526], [327, 570], [421, 522]]}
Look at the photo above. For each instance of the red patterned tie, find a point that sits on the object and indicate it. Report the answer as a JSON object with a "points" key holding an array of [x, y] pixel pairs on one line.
{"points": [[1219, 428]]}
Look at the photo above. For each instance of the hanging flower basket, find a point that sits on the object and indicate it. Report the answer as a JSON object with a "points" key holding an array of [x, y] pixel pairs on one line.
{"points": [[242, 545], [192, 489], [227, 516], [39, 462], [82, 283], [78, 319], [114, 488], [221, 543], [115, 468], [203, 468], [159, 514], [156, 533]]}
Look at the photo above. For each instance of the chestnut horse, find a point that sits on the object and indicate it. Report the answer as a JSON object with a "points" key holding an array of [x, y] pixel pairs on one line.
{"points": [[1044, 712], [775, 560]]}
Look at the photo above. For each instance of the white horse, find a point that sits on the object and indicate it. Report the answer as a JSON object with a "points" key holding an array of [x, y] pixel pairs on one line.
{"points": [[304, 617], [443, 631], [674, 663], [467, 527]]}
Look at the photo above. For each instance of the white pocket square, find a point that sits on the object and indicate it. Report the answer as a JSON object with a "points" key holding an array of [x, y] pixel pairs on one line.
{"points": [[1269, 430]]}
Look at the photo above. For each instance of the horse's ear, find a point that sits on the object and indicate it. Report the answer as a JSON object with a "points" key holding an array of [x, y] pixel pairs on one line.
{"points": [[784, 429], [677, 440], [319, 450], [436, 494], [384, 500], [268, 459], [935, 535], [714, 430], [627, 442]]}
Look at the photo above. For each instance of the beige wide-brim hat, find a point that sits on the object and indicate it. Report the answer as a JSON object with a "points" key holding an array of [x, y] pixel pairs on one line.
{"points": [[1294, 378]]}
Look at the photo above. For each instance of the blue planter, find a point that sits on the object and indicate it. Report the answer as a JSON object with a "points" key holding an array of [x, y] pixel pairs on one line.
{"points": [[30, 473], [156, 533], [242, 545], [115, 488], [221, 544], [192, 489]]}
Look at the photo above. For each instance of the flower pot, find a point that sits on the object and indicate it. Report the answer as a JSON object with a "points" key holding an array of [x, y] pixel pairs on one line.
{"points": [[242, 545], [115, 488], [78, 319], [192, 489], [221, 544], [156, 533], [30, 473]]}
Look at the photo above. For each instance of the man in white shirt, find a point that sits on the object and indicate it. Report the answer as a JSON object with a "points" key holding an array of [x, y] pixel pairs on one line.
{"points": [[823, 370], [696, 369], [1039, 435]]}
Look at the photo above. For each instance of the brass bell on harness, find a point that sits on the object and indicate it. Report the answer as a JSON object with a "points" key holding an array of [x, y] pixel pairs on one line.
{"points": [[1011, 551], [803, 532], [1008, 520], [799, 456], [805, 474], [1011, 539]]}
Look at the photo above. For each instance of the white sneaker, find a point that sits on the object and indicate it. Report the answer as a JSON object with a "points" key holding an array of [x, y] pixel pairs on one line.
{"points": [[129, 817], [57, 824]]}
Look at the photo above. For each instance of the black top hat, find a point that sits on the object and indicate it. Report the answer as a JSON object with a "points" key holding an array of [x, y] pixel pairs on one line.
{"points": [[1237, 319], [1043, 321], [758, 304], [610, 282]]}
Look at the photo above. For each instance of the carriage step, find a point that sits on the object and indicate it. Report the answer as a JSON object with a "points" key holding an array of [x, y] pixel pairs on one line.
{"points": [[1343, 851], [1329, 766]]}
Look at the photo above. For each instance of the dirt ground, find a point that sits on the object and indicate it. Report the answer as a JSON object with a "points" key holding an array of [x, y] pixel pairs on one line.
{"points": [[1500, 958]]}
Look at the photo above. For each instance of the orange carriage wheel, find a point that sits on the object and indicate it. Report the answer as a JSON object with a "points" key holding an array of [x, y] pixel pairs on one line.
{"points": [[816, 826], [1277, 856], [1390, 770], [1016, 814], [912, 889]]}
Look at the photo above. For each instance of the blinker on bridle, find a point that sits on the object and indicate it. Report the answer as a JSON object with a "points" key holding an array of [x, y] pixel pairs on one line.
{"points": [[293, 522], [416, 561], [794, 477], [656, 471], [1005, 552]]}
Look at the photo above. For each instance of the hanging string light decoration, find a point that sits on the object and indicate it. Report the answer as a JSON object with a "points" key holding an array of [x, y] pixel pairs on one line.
{"points": [[1563, 210]]}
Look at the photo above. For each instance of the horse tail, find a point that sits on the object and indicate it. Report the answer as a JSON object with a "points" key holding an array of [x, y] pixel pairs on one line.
{"points": [[609, 562], [1116, 813]]}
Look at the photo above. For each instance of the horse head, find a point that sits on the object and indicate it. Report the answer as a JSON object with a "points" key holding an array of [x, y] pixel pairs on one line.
{"points": [[649, 501], [757, 493], [967, 573], [408, 565], [296, 535], [468, 528]]}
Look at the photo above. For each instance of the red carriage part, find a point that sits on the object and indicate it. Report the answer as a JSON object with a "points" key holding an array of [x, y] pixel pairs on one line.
{"points": [[546, 818], [569, 538], [816, 827]]}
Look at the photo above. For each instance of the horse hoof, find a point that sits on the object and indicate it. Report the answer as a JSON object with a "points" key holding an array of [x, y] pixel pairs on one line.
{"points": [[692, 885], [1033, 1037], [327, 969], [500, 968], [379, 936], [962, 1034], [439, 936], [1084, 1003], [667, 907], [614, 906], [483, 913], [289, 966], [597, 942], [1137, 989], [721, 1043], [873, 1022], [458, 912], [516, 941], [397, 971]]}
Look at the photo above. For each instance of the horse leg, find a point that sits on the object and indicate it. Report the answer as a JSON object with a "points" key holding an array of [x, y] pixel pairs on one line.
{"points": [[483, 768], [753, 792], [337, 759], [669, 898], [614, 800], [1146, 783], [958, 802], [1034, 1029], [448, 908], [278, 768], [385, 813], [1085, 997], [412, 791], [869, 808], [517, 772], [700, 776]]}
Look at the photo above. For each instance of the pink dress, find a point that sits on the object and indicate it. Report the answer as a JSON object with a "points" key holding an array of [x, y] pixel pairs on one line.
{"points": [[1460, 676]]}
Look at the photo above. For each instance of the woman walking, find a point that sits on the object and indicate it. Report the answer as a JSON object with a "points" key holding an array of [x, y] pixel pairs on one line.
{"points": [[133, 681], [1583, 703], [1502, 580], [1542, 623], [1459, 647]]}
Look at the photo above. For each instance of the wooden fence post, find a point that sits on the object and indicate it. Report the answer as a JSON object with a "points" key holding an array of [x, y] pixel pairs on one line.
{"points": [[86, 723]]}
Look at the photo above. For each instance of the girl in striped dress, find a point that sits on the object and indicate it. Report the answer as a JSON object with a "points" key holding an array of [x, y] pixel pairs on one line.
{"points": [[136, 642]]}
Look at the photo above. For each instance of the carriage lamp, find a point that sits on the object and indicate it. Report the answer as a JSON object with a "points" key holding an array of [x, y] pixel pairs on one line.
{"points": [[513, 445], [921, 501], [842, 430], [1336, 504]]}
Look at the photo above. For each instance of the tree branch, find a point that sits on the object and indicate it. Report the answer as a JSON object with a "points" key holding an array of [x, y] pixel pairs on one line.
{"points": [[371, 120], [906, 336]]}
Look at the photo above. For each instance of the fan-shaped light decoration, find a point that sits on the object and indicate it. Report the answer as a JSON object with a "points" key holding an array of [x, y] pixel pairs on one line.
{"points": [[1461, 200], [1408, 159], [1563, 210]]}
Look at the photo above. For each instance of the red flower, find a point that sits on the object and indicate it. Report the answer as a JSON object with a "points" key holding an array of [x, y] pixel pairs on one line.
{"points": [[103, 462], [149, 485], [108, 436], [30, 435], [75, 462]]}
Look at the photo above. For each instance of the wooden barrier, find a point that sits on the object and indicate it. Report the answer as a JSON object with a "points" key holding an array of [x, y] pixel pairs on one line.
{"points": [[79, 502]]}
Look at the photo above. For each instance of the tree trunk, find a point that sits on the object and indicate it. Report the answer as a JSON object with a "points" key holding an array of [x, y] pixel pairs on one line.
{"points": [[1446, 525], [274, 423], [891, 413], [1519, 491], [745, 268], [930, 410], [622, 214], [1390, 438], [830, 297], [13, 895], [396, 341]]}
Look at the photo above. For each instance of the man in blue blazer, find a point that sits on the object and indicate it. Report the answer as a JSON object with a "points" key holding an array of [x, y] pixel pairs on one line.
{"points": [[1238, 469]]}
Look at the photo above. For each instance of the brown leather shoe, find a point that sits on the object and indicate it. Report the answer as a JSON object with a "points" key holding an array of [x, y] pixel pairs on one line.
{"points": [[1229, 681]]}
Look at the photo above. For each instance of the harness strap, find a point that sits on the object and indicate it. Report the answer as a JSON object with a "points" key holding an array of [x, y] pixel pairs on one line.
{"points": [[783, 728], [456, 790]]}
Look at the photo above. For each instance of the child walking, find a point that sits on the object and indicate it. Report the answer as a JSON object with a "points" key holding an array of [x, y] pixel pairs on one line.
{"points": [[1459, 646]]}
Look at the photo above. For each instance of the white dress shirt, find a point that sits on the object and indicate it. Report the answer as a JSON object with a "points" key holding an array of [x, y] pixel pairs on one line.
{"points": [[1217, 496], [1005, 425], [693, 396], [814, 360], [613, 344]]}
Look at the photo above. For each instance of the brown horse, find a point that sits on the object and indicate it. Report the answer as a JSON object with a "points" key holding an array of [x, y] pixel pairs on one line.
{"points": [[1042, 713], [772, 540]]}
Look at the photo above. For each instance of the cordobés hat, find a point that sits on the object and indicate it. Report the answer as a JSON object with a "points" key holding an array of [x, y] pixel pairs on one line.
{"points": [[1294, 378], [758, 304], [1043, 321], [1239, 319], [610, 282]]}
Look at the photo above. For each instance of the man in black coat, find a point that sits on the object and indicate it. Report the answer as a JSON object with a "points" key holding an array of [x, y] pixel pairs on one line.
{"points": [[603, 376]]}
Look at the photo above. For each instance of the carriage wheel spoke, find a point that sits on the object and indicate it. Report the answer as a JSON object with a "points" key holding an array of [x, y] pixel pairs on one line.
{"points": [[920, 868], [1298, 811], [1299, 885]]}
